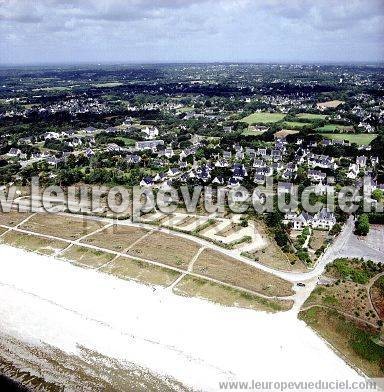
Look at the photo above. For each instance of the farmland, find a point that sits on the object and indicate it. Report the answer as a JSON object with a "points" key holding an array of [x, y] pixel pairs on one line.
{"points": [[358, 138], [311, 116], [295, 124], [334, 128], [263, 118]]}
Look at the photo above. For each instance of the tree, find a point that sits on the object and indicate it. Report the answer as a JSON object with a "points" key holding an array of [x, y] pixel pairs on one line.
{"points": [[362, 225], [377, 194], [281, 238]]}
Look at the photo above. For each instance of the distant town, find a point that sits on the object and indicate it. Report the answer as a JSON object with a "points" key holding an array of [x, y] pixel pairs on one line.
{"points": [[231, 126]]}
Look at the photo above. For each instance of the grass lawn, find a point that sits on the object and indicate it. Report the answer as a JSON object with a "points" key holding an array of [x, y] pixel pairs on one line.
{"points": [[263, 118], [127, 141], [185, 109], [252, 132], [295, 124], [311, 116], [334, 127], [358, 138], [108, 84]]}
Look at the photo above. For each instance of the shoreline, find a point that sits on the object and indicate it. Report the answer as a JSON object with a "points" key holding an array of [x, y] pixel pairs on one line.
{"points": [[64, 306]]}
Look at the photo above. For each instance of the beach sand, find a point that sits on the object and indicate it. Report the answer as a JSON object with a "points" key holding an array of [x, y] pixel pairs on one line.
{"points": [[58, 307]]}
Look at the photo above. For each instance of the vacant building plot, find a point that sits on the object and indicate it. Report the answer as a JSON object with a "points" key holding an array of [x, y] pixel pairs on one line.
{"points": [[229, 230], [67, 227], [187, 221], [263, 118], [195, 287], [361, 139], [218, 266], [125, 268], [13, 218], [210, 224], [33, 243], [92, 258], [117, 237], [329, 104], [318, 238], [166, 248], [272, 255], [284, 133]]}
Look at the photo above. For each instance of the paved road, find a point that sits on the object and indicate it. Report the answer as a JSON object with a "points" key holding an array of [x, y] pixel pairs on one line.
{"points": [[292, 276]]}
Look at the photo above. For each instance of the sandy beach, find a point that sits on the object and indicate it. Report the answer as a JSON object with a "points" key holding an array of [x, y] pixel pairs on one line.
{"points": [[50, 303]]}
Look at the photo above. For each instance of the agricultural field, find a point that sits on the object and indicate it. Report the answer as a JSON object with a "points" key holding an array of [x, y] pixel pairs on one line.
{"points": [[311, 116], [107, 84], [194, 287], [335, 128], [361, 139], [218, 266], [263, 118], [295, 124]]}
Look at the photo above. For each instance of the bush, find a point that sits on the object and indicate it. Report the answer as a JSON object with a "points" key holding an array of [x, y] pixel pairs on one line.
{"points": [[336, 229], [281, 238]]}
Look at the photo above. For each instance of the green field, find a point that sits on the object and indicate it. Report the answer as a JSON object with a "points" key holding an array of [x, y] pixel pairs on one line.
{"points": [[53, 88], [295, 124], [263, 118], [358, 138], [334, 127], [311, 116], [107, 84], [251, 132], [127, 141]]}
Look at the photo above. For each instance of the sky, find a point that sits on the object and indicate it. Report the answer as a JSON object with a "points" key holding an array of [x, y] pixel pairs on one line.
{"points": [[132, 31]]}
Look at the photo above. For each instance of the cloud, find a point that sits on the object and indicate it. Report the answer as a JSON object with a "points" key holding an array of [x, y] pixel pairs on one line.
{"points": [[191, 30]]}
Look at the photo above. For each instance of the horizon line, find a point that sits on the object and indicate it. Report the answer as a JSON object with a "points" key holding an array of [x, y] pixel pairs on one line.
{"points": [[224, 62]]}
